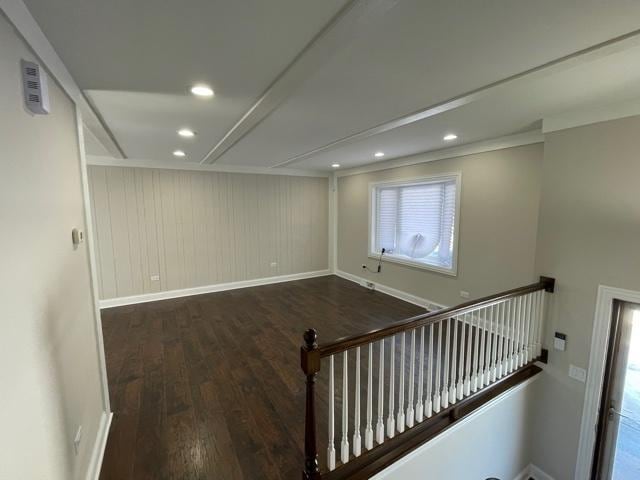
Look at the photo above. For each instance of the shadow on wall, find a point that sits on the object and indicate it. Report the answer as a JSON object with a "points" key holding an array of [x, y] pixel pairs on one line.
{"points": [[64, 372]]}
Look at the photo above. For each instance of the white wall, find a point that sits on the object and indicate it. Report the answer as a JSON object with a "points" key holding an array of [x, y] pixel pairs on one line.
{"points": [[589, 234], [498, 220], [49, 364], [492, 442], [195, 228]]}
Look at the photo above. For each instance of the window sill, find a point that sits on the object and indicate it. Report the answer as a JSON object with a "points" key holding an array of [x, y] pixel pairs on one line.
{"points": [[452, 272]]}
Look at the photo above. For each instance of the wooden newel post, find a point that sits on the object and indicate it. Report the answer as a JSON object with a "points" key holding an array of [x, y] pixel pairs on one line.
{"points": [[310, 362]]}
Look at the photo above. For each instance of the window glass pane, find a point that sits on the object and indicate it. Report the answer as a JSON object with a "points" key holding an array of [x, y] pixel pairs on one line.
{"points": [[416, 222]]}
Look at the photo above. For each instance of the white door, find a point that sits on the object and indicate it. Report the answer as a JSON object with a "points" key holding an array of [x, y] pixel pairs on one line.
{"points": [[620, 434]]}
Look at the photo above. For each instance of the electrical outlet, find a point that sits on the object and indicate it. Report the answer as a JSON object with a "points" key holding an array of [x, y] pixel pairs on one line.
{"points": [[464, 294], [155, 278], [577, 373], [370, 285], [77, 439], [273, 264]]}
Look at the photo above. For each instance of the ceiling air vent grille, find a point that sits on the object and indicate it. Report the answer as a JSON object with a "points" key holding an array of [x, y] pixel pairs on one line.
{"points": [[34, 82]]}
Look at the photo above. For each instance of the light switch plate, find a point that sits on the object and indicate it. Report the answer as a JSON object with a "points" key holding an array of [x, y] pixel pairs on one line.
{"points": [[577, 373]]}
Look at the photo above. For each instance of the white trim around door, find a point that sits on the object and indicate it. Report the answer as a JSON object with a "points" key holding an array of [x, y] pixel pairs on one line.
{"points": [[595, 376]]}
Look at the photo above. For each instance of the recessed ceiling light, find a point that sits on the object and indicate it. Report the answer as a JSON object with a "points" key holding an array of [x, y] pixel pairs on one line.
{"points": [[335, 165], [186, 133], [450, 136], [202, 90], [378, 154], [179, 153]]}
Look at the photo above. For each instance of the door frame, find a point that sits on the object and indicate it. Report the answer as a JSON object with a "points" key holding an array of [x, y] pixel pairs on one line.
{"points": [[596, 373]]}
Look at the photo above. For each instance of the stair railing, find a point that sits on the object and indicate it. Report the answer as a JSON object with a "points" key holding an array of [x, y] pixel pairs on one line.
{"points": [[447, 362]]}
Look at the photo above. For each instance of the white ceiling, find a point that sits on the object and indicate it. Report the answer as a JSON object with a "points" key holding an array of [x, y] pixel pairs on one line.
{"points": [[374, 62]]}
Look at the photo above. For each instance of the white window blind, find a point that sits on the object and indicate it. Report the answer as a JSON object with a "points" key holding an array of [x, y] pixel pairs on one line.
{"points": [[416, 221]]}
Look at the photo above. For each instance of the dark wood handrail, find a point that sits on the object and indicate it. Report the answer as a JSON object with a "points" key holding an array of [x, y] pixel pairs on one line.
{"points": [[547, 284]]}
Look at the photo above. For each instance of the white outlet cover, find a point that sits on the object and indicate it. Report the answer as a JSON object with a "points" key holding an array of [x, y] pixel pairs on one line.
{"points": [[155, 278], [274, 264], [464, 294], [577, 373]]}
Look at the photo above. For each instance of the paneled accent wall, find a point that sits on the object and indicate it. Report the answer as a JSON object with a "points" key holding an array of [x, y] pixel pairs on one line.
{"points": [[160, 230]]}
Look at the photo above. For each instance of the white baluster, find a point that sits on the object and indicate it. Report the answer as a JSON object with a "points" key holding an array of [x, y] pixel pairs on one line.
{"points": [[344, 447], [461, 357], [391, 420], [531, 341], [483, 338], [477, 363], [486, 376], [357, 440], [532, 327], [507, 338], [420, 402], [467, 368], [368, 431], [515, 333], [429, 400], [401, 418], [541, 315], [525, 331], [412, 378], [445, 370], [496, 342], [523, 317], [331, 451], [454, 358], [380, 424], [536, 325], [501, 340], [514, 343], [436, 396]]}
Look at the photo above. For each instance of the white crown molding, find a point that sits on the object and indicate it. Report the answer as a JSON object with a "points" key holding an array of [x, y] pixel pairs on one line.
{"points": [[429, 305], [220, 287], [99, 446], [587, 116], [595, 374], [178, 165], [517, 140], [18, 14]]}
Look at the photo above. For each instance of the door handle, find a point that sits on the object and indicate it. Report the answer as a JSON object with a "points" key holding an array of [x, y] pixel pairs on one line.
{"points": [[615, 413]]}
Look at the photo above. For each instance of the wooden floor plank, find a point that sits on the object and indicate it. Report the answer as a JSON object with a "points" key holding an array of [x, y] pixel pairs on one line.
{"points": [[210, 387]]}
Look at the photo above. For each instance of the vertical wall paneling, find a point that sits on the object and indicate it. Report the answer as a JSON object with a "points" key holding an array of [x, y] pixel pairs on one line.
{"points": [[159, 230]]}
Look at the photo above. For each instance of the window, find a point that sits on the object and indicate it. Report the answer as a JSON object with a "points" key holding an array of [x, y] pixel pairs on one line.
{"points": [[416, 222]]}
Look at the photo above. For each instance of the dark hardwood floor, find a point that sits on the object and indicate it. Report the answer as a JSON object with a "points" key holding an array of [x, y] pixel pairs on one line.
{"points": [[210, 387]]}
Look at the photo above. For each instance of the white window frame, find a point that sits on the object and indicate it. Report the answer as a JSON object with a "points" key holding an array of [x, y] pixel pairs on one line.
{"points": [[457, 176]]}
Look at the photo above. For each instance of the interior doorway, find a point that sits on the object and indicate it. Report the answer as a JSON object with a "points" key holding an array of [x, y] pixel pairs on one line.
{"points": [[617, 453]]}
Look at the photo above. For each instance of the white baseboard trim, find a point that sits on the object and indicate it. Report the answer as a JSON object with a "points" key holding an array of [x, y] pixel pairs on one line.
{"points": [[97, 454], [220, 287], [407, 297], [532, 471]]}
